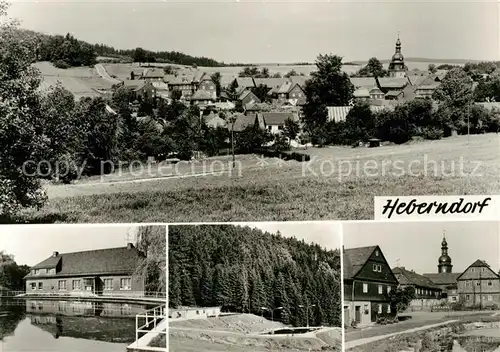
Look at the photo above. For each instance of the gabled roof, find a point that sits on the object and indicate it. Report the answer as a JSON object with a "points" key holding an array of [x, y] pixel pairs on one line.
{"points": [[116, 261], [277, 118], [270, 82], [375, 90], [285, 87], [443, 278], [180, 79], [152, 73], [478, 264], [355, 259], [361, 93], [243, 121], [246, 82], [258, 107], [407, 277], [363, 82], [393, 93], [202, 94], [392, 82]]}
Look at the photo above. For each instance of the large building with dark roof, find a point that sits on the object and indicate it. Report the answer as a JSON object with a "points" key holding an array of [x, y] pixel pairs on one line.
{"points": [[368, 279], [108, 271]]}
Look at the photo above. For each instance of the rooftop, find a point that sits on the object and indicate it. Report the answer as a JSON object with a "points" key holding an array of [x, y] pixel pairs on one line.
{"points": [[355, 259], [409, 277], [94, 262]]}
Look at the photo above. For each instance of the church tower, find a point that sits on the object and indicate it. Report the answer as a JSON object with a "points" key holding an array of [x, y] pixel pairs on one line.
{"points": [[397, 66], [444, 265]]}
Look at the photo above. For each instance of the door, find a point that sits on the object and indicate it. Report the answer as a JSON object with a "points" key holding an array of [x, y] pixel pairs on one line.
{"points": [[357, 314], [347, 318]]}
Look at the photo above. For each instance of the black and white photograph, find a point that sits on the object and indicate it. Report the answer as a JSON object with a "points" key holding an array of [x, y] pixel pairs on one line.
{"points": [[255, 287], [193, 111], [421, 286], [83, 288]]}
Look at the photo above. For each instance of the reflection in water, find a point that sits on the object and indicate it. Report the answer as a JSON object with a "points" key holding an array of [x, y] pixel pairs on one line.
{"points": [[66, 325]]}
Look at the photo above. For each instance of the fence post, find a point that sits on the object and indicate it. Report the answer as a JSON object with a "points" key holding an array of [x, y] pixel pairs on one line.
{"points": [[137, 330]]}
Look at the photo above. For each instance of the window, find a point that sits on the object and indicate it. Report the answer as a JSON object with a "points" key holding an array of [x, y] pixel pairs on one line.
{"points": [[51, 271], [280, 128], [389, 309], [478, 283], [482, 270], [473, 270], [377, 268], [366, 309], [108, 284], [40, 285], [467, 297], [126, 284], [453, 299], [376, 253], [365, 288], [61, 284], [379, 309], [269, 128], [380, 289], [33, 285], [388, 289], [36, 272], [467, 283], [490, 283], [77, 284], [490, 298]]}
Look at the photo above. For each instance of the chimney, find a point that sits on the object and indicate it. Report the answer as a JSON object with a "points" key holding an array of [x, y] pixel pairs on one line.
{"points": [[130, 246], [55, 254]]}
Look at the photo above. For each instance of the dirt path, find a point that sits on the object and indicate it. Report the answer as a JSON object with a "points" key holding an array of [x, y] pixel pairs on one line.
{"points": [[355, 343], [104, 74]]}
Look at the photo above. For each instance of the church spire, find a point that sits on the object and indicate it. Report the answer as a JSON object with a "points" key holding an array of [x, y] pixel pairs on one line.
{"points": [[444, 260]]}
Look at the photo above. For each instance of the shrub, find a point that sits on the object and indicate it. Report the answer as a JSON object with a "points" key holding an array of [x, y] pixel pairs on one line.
{"points": [[381, 321], [432, 133], [61, 64], [354, 324]]}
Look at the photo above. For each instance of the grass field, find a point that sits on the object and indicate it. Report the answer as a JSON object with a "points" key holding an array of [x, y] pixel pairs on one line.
{"points": [[270, 189], [81, 81]]}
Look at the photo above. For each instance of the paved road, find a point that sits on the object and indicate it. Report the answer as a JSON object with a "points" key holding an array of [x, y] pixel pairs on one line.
{"points": [[104, 74]]}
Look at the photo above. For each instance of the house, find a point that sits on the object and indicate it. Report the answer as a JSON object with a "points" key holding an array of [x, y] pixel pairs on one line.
{"points": [[108, 271], [427, 87], [479, 286], [427, 293], [243, 121], [363, 82], [207, 84], [376, 93], [248, 97], [275, 121], [214, 120], [368, 279], [153, 75], [182, 83], [203, 97], [141, 89], [290, 91], [194, 313], [394, 95]]}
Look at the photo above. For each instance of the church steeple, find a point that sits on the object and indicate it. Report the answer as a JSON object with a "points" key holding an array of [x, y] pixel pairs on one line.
{"points": [[397, 66], [444, 260]]}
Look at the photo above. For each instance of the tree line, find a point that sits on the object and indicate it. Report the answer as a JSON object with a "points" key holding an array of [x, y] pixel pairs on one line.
{"points": [[12, 274], [247, 270]]}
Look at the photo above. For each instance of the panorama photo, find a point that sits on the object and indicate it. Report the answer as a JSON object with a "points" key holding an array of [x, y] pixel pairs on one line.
{"points": [[255, 287], [424, 287], [83, 288], [168, 111]]}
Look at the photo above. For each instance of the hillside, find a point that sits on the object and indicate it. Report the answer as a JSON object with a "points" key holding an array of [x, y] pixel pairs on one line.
{"points": [[244, 270]]}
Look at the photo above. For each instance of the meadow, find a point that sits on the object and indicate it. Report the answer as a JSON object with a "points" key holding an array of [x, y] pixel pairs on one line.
{"points": [[81, 81], [338, 183]]}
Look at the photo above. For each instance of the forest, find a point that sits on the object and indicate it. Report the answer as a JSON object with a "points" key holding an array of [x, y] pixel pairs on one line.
{"points": [[247, 270]]}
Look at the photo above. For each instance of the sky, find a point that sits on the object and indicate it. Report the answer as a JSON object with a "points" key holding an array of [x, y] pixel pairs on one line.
{"points": [[32, 244], [417, 245], [326, 234], [279, 31]]}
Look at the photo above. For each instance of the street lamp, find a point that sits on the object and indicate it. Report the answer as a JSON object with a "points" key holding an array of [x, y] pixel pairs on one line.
{"points": [[232, 119], [271, 310], [307, 311]]}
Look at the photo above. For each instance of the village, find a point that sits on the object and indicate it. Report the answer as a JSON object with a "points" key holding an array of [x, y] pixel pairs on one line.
{"points": [[383, 299]]}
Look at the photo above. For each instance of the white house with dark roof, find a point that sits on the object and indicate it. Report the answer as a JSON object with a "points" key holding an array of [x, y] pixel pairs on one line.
{"points": [[110, 271], [427, 293], [275, 121]]}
